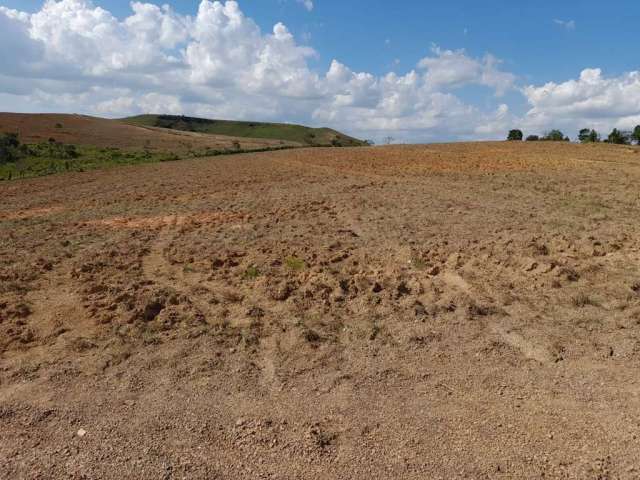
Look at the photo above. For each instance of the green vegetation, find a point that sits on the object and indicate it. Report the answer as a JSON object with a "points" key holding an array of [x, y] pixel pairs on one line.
{"points": [[585, 135], [588, 136], [619, 138], [295, 263], [515, 136], [274, 131], [251, 273], [554, 136], [52, 157], [18, 160]]}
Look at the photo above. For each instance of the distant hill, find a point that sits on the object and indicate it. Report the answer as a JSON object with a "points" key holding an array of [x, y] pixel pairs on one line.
{"points": [[273, 131], [106, 133]]}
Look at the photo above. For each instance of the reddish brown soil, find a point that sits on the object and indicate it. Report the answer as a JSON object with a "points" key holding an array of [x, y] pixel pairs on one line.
{"points": [[100, 132], [449, 311]]}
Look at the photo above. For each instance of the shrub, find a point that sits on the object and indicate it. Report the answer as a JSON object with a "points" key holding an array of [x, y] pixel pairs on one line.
{"points": [[533, 138]]}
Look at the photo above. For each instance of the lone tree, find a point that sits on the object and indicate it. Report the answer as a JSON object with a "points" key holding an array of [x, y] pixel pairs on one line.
{"points": [[9, 147], [515, 136], [555, 136], [636, 134], [588, 136], [619, 138]]}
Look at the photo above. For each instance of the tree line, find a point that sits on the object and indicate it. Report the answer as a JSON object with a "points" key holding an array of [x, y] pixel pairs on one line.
{"points": [[586, 135]]}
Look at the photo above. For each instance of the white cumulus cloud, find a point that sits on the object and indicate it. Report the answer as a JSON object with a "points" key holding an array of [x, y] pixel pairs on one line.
{"points": [[590, 101], [74, 56]]}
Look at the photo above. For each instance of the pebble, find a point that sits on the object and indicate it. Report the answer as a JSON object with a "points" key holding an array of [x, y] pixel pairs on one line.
{"points": [[82, 432]]}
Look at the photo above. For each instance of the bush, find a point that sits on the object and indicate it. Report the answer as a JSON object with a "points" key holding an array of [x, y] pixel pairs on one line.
{"points": [[555, 136], [10, 149], [533, 138], [515, 136]]}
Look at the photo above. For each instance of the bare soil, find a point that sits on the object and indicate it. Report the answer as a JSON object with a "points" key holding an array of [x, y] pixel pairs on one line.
{"points": [[443, 311], [105, 133]]}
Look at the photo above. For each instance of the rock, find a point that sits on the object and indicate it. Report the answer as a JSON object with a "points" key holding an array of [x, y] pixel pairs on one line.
{"points": [[152, 310], [82, 432]]}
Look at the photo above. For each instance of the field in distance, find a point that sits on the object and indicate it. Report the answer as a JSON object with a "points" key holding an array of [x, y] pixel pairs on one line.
{"points": [[415, 312], [107, 133], [54, 143], [275, 131]]}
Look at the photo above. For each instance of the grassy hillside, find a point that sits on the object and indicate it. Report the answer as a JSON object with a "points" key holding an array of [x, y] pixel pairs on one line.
{"points": [[106, 133], [275, 131]]}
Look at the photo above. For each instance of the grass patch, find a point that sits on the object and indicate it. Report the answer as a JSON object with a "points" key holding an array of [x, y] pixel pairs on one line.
{"points": [[418, 264], [187, 268], [273, 131], [251, 273], [295, 263], [41, 159]]}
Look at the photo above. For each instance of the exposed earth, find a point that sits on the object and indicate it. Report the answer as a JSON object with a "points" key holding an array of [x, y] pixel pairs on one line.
{"points": [[429, 312], [107, 133]]}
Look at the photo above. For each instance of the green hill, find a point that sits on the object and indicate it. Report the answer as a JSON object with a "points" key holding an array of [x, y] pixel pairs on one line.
{"points": [[275, 131]]}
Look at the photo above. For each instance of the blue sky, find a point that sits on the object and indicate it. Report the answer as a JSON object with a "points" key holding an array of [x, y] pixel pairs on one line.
{"points": [[524, 34], [534, 42]]}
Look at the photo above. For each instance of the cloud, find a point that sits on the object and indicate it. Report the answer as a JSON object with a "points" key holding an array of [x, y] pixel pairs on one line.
{"points": [[308, 4], [592, 100], [566, 24], [73, 56], [451, 68]]}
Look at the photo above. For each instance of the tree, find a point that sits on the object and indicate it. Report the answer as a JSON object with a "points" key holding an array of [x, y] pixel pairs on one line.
{"points": [[388, 140], [588, 136], [554, 136], [9, 148], [515, 136], [533, 138], [636, 134], [619, 138]]}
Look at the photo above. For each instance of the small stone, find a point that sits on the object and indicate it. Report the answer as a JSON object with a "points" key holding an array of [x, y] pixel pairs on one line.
{"points": [[82, 432]]}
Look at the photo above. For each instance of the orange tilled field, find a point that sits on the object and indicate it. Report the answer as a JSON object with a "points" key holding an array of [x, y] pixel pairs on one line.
{"points": [[417, 312]]}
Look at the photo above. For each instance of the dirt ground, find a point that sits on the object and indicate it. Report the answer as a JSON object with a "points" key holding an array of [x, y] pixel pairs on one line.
{"points": [[103, 133], [435, 312]]}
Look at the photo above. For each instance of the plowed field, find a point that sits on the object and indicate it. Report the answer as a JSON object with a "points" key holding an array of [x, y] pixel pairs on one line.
{"points": [[411, 312]]}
